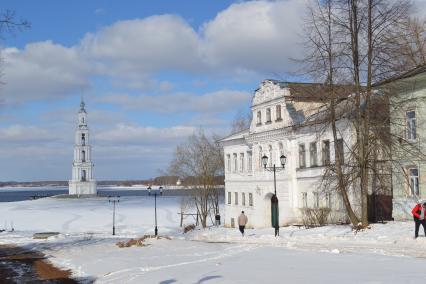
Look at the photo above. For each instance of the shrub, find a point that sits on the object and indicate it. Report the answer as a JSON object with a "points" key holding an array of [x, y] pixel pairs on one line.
{"points": [[315, 217]]}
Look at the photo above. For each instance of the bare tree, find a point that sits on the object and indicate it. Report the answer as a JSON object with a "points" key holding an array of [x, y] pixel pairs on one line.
{"points": [[322, 61], [356, 39], [241, 121], [199, 161]]}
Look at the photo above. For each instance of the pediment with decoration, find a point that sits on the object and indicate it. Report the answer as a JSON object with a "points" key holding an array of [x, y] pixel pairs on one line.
{"points": [[268, 91]]}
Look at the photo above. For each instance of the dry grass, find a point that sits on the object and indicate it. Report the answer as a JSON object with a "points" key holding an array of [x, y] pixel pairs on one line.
{"points": [[139, 242]]}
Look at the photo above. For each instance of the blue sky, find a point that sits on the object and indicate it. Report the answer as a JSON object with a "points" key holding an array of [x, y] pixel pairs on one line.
{"points": [[151, 73]]}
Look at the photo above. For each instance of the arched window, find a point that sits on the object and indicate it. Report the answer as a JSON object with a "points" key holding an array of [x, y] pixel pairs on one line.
{"points": [[83, 139], [281, 148], [83, 175], [83, 156]]}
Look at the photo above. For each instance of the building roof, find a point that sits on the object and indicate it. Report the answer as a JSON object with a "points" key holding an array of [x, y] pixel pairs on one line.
{"points": [[410, 73]]}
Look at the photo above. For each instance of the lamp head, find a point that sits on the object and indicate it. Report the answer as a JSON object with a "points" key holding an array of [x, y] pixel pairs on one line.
{"points": [[264, 161], [283, 159]]}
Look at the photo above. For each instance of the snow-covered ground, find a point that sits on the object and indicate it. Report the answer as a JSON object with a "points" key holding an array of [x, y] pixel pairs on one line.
{"points": [[386, 253]]}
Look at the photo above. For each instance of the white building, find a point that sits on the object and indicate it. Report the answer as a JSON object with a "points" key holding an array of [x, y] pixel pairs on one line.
{"points": [[280, 126], [82, 182]]}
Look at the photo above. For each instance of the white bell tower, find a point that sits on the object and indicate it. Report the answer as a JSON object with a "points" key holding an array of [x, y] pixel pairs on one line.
{"points": [[82, 182]]}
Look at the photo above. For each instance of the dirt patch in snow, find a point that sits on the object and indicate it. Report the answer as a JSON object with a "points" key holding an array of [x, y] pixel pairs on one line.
{"points": [[21, 265]]}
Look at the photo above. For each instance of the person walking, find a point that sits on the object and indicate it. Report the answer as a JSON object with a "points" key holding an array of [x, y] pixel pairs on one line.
{"points": [[242, 221], [419, 212]]}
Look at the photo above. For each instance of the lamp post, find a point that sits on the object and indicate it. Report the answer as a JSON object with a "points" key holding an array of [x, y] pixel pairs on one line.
{"points": [[274, 199], [113, 200], [155, 207]]}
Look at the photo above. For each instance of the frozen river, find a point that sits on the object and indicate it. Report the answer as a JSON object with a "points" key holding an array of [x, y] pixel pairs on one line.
{"points": [[10, 194]]}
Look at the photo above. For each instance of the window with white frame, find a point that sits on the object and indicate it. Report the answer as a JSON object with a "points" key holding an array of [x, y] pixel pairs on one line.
{"points": [[250, 199], [241, 162], [235, 163], [341, 151], [228, 163], [249, 161], [236, 198], [302, 156], [326, 152], [304, 199], [413, 175], [243, 199], [316, 199], [229, 197], [341, 203], [268, 115], [278, 112], [328, 200], [410, 117], [259, 118], [313, 155]]}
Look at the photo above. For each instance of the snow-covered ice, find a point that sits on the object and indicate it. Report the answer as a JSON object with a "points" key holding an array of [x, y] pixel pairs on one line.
{"points": [[386, 253]]}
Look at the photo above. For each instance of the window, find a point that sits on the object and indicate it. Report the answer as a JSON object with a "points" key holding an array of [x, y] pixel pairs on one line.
{"points": [[260, 158], [235, 163], [271, 156], [83, 175], [302, 156], [340, 150], [229, 197], [328, 200], [278, 112], [83, 156], [413, 175], [250, 199], [83, 139], [313, 154], [249, 161], [241, 162], [259, 118], [243, 199], [304, 199], [228, 162], [326, 152], [236, 198], [268, 115], [410, 117], [341, 203], [316, 199]]}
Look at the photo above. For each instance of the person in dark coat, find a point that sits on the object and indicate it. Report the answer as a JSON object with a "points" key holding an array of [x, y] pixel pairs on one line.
{"points": [[419, 212]]}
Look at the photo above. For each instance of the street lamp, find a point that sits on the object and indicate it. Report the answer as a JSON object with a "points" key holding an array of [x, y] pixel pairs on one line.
{"points": [[274, 199], [155, 206], [113, 200]]}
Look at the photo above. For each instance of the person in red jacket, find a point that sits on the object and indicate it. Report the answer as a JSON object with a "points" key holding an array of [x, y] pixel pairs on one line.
{"points": [[419, 212]]}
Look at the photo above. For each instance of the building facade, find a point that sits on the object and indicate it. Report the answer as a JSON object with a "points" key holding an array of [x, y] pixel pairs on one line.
{"points": [[82, 182], [279, 126], [408, 126]]}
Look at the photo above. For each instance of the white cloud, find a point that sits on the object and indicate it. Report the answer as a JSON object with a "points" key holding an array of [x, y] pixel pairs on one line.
{"points": [[133, 48], [42, 70], [214, 102], [256, 35], [124, 134]]}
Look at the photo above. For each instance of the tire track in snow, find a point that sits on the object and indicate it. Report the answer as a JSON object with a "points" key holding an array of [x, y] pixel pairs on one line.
{"points": [[66, 225], [133, 273]]}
